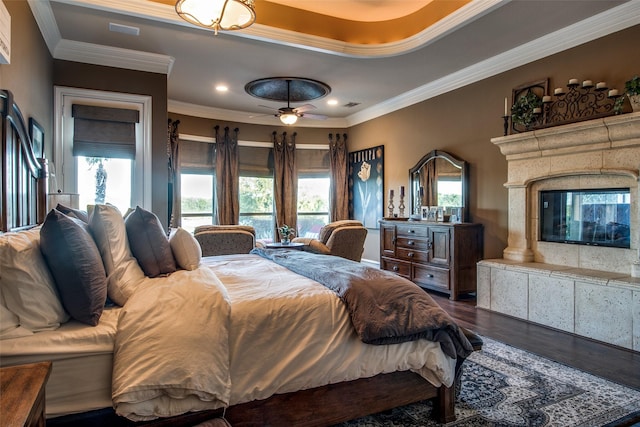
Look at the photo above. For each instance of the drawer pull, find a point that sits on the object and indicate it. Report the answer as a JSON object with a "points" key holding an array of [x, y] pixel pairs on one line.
{"points": [[396, 268], [410, 254], [412, 231], [411, 243], [430, 276]]}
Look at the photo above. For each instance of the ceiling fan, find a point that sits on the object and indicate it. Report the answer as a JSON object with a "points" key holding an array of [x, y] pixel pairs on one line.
{"points": [[297, 90]]}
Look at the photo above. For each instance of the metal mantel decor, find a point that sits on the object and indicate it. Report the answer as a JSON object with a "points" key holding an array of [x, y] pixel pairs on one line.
{"points": [[580, 101]]}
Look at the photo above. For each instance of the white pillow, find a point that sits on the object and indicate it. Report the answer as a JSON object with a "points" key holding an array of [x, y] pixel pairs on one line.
{"points": [[26, 282], [10, 324], [186, 249], [123, 271]]}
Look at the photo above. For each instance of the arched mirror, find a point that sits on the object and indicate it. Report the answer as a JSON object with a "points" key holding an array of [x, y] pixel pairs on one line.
{"points": [[440, 180]]}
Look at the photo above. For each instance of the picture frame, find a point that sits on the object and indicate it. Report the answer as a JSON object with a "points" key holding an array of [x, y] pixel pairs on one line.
{"points": [[424, 212], [433, 213], [36, 133], [366, 186], [439, 213]]}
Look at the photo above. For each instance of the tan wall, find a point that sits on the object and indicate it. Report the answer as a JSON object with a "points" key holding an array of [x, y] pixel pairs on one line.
{"points": [[87, 76], [463, 122], [29, 76]]}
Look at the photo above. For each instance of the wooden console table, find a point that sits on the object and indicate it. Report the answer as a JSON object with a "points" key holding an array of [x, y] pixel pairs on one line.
{"points": [[22, 394]]}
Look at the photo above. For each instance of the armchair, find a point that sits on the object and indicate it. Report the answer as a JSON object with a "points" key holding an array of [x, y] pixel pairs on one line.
{"points": [[225, 239], [340, 238]]}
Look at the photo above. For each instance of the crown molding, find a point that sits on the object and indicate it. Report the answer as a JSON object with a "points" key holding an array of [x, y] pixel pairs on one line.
{"points": [[90, 53], [166, 13], [603, 24], [202, 111], [43, 14]]}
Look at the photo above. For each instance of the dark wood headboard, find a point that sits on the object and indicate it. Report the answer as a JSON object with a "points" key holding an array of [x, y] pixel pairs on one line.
{"points": [[23, 195]]}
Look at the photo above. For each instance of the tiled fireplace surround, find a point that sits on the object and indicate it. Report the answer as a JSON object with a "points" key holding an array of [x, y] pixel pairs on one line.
{"points": [[587, 290]]}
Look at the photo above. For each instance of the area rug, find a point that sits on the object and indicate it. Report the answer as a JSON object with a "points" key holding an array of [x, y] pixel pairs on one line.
{"points": [[506, 386]]}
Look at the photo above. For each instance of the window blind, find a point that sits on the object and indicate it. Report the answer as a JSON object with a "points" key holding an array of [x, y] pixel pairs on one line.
{"points": [[312, 163], [197, 157], [104, 131]]}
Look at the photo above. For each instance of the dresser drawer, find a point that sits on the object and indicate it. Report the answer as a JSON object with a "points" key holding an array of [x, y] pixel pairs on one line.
{"points": [[416, 244], [400, 267], [431, 276], [411, 231], [412, 255]]}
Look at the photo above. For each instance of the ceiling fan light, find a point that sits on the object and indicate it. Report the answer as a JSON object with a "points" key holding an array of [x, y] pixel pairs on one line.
{"points": [[217, 14], [288, 118]]}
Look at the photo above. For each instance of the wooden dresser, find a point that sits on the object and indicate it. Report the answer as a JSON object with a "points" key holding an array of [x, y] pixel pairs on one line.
{"points": [[435, 255]]}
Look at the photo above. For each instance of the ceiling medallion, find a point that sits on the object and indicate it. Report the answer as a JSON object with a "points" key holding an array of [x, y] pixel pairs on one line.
{"points": [[289, 89]]}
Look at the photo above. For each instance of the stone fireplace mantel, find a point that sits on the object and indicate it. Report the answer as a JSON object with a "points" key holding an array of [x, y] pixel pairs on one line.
{"points": [[602, 153], [592, 291]]}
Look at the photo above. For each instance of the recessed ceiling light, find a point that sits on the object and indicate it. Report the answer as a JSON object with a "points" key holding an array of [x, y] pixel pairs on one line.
{"points": [[332, 102], [222, 88]]}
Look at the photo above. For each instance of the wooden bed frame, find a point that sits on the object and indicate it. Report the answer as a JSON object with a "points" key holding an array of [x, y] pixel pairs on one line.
{"points": [[23, 204]]}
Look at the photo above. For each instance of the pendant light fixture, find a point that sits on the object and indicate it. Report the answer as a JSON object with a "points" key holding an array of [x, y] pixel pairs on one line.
{"points": [[217, 14]]}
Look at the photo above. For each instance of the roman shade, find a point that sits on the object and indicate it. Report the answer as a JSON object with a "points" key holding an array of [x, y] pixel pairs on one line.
{"points": [[255, 161], [197, 157], [104, 131], [312, 163]]}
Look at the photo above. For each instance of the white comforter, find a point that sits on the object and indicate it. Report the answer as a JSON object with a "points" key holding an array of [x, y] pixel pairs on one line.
{"points": [[245, 329]]}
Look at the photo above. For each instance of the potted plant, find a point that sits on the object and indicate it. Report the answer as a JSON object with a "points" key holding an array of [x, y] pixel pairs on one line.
{"points": [[286, 233], [632, 91]]}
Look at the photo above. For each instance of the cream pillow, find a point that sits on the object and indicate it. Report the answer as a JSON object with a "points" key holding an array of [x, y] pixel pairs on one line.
{"points": [[27, 284], [109, 232], [186, 249], [10, 324]]}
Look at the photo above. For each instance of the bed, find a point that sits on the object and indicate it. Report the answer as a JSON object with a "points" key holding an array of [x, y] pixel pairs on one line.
{"points": [[237, 335]]}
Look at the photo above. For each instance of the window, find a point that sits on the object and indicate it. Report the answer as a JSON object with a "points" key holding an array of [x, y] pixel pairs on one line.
{"points": [[313, 189], [313, 205], [256, 189], [104, 180], [256, 205], [196, 202], [121, 179]]}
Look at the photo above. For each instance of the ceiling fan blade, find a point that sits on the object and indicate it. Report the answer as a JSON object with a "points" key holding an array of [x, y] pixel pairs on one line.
{"points": [[303, 108], [315, 116]]}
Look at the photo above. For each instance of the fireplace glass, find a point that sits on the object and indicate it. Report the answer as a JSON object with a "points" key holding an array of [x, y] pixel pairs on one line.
{"points": [[586, 217]]}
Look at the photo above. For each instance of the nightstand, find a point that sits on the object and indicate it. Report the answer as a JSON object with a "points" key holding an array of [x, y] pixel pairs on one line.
{"points": [[22, 394]]}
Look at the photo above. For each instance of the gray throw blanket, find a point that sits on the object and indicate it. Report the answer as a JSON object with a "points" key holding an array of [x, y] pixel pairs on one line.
{"points": [[384, 307]]}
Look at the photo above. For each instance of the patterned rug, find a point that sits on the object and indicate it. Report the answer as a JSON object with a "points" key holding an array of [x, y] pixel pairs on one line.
{"points": [[506, 386]]}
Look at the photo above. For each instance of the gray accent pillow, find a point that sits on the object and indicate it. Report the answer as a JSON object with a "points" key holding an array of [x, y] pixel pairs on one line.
{"points": [[76, 266], [149, 243], [76, 213]]}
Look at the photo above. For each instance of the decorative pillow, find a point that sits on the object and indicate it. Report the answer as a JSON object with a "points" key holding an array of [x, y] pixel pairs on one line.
{"points": [[26, 282], [149, 243], [74, 261], [76, 213], [186, 249], [110, 235]]}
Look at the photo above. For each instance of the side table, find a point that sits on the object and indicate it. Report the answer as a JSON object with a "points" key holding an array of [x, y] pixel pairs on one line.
{"points": [[22, 394]]}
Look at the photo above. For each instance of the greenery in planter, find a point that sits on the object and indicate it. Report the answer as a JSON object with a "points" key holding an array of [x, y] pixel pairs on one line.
{"points": [[631, 88], [522, 109]]}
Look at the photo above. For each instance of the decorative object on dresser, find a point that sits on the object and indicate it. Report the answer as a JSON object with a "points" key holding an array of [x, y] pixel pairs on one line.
{"points": [[22, 394], [439, 256]]}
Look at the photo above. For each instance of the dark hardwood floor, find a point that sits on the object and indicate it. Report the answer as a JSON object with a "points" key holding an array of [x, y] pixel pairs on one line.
{"points": [[616, 364]]}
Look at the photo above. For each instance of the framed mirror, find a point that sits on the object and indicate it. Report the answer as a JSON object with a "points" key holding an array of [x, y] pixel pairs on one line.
{"points": [[440, 179]]}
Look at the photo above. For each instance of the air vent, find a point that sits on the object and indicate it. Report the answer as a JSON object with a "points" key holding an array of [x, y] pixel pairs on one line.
{"points": [[351, 104], [124, 29]]}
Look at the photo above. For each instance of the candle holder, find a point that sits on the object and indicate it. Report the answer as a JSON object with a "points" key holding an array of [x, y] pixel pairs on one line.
{"points": [[506, 124], [401, 206], [390, 206]]}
